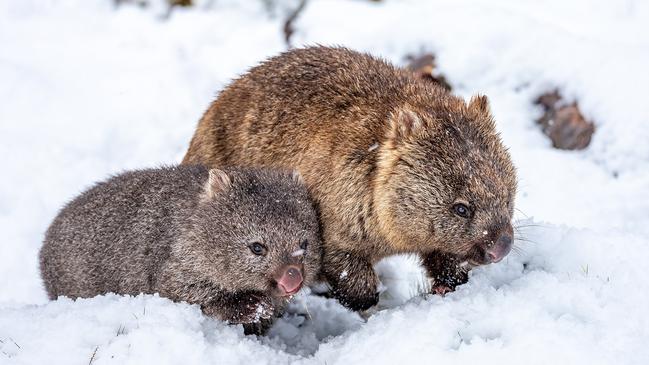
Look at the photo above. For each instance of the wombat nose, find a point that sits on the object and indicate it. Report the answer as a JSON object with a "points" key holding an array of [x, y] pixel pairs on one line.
{"points": [[290, 281], [500, 248]]}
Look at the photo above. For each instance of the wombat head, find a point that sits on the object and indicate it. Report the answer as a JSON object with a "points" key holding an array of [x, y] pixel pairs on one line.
{"points": [[446, 182], [254, 230]]}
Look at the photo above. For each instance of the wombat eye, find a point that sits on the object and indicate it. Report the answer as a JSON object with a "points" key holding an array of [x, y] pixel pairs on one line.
{"points": [[257, 248], [303, 244], [461, 210]]}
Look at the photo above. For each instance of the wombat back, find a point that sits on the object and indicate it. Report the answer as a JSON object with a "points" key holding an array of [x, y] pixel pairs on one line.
{"points": [[115, 235]]}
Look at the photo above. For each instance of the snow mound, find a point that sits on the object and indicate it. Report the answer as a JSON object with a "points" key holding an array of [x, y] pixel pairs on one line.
{"points": [[567, 301]]}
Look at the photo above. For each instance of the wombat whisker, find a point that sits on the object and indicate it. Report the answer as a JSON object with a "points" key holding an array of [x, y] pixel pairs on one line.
{"points": [[520, 211], [520, 235], [306, 309], [524, 240], [520, 229], [523, 243], [518, 250], [529, 225], [518, 232]]}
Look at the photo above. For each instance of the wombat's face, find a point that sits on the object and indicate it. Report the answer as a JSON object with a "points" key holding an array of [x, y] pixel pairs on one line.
{"points": [[451, 184], [257, 230]]}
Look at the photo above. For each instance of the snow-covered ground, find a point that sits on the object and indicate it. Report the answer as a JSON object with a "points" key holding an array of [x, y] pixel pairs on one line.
{"points": [[87, 90]]}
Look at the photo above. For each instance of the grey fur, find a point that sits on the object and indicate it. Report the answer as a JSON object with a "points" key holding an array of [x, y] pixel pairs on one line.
{"points": [[185, 233]]}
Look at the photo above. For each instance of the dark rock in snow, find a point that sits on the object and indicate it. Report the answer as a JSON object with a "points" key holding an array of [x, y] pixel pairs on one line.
{"points": [[424, 66], [564, 123]]}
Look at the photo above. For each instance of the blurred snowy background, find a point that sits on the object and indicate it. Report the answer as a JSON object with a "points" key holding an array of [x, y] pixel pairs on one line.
{"points": [[89, 88]]}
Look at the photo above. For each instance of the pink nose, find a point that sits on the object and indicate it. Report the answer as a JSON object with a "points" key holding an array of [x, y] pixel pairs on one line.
{"points": [[290, 281], [500, 248]]}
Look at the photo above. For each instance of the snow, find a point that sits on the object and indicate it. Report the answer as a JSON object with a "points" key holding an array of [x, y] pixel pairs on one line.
{"points": [[296, 253], [88, 90]]}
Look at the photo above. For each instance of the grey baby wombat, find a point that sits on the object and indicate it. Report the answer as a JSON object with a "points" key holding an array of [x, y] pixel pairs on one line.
{"points": [[238, 242]]}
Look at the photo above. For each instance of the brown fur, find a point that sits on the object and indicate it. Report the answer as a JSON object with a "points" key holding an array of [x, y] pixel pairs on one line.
{"points": [[385, 155]]}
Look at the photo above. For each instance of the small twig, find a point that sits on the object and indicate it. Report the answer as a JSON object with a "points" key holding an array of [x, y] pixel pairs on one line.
{"points": [[12, 340], [121, 330], [288, 24], [92, 358]]}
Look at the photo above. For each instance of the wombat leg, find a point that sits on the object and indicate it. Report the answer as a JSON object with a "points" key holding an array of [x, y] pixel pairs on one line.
{"points": [[353, 280], [257, 328], [445, 270], [241, 307]]}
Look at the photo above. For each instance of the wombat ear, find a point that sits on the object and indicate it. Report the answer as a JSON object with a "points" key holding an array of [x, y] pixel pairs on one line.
{"points": [[479, 109], [479, 105], [404, 123], [297, 177], [217, 181]]}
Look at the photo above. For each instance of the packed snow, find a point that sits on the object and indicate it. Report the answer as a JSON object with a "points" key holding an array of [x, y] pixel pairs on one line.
{"points": [[88, 89]]}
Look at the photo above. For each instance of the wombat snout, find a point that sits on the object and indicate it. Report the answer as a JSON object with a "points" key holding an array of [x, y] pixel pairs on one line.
{"points": [[290, 280], [500, 248]]}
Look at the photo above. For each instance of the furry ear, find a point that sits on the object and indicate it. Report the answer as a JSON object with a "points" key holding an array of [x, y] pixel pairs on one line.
{"points": [[479, 104], [405, 123], [218, 181], [478, 109]]}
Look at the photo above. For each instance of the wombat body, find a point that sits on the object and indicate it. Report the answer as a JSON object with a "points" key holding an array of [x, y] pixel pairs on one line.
{"points": [[395, 164], [237, 242]]}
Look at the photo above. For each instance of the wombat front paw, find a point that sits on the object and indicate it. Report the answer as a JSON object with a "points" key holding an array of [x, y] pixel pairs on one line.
{"points": [[441, 290], [357, 294], [447, 283], [446, 271], [241, 308], [255, 308], [353, 280], [356, 301]]}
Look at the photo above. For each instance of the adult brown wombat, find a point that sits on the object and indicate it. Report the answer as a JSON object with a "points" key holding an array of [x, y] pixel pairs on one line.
{"points": [[237, 242], [395, 164]]}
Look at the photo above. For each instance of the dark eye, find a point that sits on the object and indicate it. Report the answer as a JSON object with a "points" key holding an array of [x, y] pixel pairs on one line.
{"points": [[257, 248], [303, 244], [461, 210]]}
